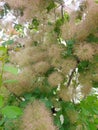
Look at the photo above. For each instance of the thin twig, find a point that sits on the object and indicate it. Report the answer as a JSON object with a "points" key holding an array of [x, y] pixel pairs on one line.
{"points": [[72, 73], [70, 77], [62, 11], [19, 98]]}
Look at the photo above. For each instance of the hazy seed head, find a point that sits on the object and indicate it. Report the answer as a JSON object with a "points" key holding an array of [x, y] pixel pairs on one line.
{"points": [[55, 78], [26, 41], [34, 7], [72, 115], [27, 56], [37, 117], [95, 47], [41, 67], [94, 70], [86, 26], [85, 80], [39, 56], [55, 51], [65, 94], [86, 89], [84, 51], [67, 65], [20, 58], [23, 81]]}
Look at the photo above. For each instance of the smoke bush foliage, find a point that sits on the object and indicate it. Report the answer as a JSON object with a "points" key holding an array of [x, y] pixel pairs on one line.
{"points": [[48, 65]]}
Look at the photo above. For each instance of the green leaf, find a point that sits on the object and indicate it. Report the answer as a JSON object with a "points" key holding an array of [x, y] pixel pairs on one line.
{"points": [[1, 128], [10, 81], [47, 102], [95, 84], [95, 111], [35, 22], [18, 27], [96, 1], [11, 69], [66, 17], [11, 112], [1, 101], [91, 126], [6, 7], [85, 112], [27, 96], [51, 6], [70, 44], [91, 38], [2, 121], [34, 25], [83, 65], [3, 49], [57, 121], [1, 14], [96, 121], [59, 22], [9, 42]]}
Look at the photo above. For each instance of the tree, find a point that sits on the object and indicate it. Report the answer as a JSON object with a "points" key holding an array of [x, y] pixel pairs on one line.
{"points": [[48, 65]]}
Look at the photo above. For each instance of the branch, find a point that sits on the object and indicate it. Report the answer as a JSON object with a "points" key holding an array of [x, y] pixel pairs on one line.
{"points": [[19, 98], [72, 73]]}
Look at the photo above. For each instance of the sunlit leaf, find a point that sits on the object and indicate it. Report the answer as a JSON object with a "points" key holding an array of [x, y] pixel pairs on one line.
{"points": [[3, 49], [96, 1], [95, 111], [11, 112], [11, 69], [91, 126], [1, 101], [10, 81]]}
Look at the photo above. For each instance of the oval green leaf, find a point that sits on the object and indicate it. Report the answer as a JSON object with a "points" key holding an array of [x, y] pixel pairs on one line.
{"points": [[11, 112], [11, 69]]}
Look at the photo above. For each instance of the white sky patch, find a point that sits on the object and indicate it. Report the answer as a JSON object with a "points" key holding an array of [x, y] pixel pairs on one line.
{"points": [[2, 4], [73, 4], [8, 21], [68, 2], [9, 17]]}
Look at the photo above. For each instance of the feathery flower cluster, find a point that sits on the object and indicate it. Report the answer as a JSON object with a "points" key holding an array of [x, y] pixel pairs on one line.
{"points": [[84, 51], [37, 117], [86, 25], [41, 50], [55, 79], [40, 58]]}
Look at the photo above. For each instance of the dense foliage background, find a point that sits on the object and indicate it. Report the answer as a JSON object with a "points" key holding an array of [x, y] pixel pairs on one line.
{"points": [[48, 65]]}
